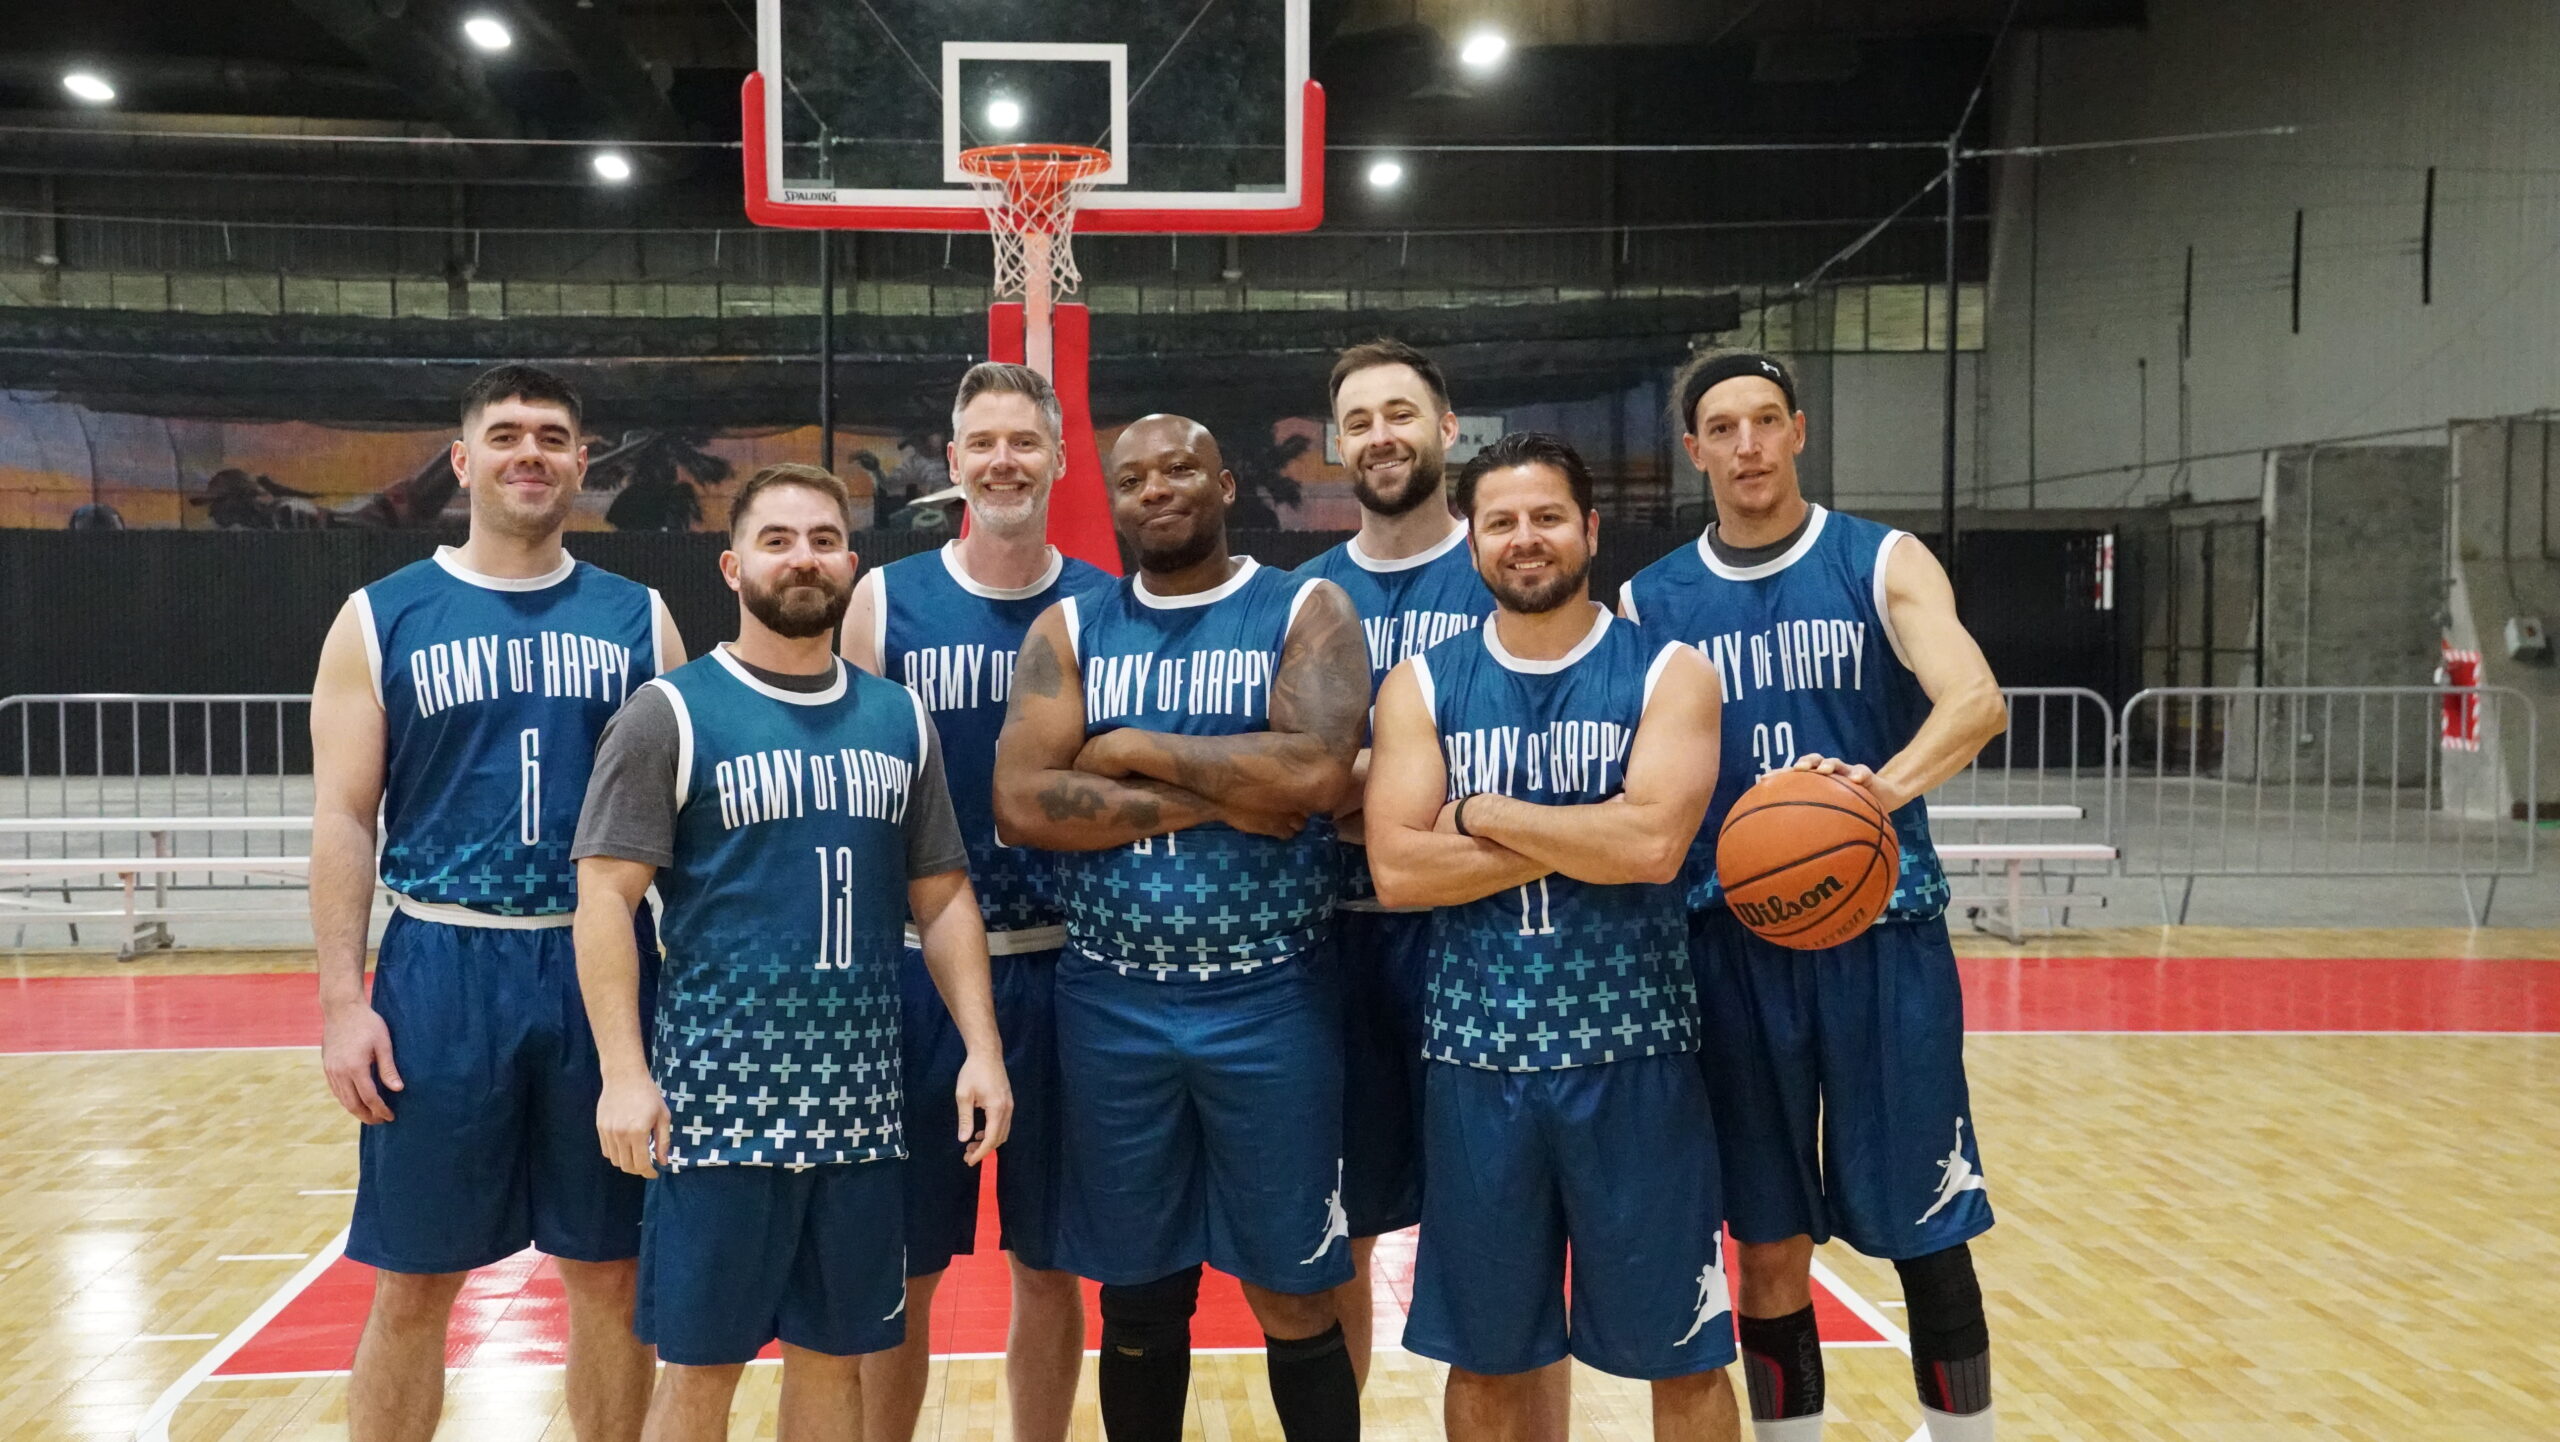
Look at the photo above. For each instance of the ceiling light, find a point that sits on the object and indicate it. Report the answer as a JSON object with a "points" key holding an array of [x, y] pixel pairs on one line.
{"points": [[488, 32], [1385, 174], [611, 166], [1004, 114], [1484, 50], [89, 86]]}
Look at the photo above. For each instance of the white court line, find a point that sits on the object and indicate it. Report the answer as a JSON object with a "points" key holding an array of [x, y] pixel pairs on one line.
{"points": [[1971, 1034], [262, 1256], [155, 1423], [177, 1336], [327, 1192], [147, 1050]]}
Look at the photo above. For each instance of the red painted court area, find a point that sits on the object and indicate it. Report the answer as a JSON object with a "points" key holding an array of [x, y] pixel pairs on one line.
{"points": [[153, 1012]]}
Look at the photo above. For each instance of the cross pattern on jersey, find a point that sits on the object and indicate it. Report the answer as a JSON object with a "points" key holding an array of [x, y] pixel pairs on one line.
{"points": [[778, 1012], [1406, 607], [493, 692], [1559, 972], [953, 641], [1209, 900], [1809, 666]]}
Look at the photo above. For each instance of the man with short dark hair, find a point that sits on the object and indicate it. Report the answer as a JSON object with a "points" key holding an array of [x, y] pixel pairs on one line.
{"points": [[1538, 781], [947, 624], [1170, 737], [460, 700], [1837, 1075], [1409, 575], [792, 812]]}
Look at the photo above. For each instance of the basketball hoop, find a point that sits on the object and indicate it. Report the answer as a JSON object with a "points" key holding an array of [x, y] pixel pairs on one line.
{"points": [[1030, 194]]}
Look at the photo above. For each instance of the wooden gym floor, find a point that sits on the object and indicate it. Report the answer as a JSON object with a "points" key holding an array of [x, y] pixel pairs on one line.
{"points": [[2253, 1185]]}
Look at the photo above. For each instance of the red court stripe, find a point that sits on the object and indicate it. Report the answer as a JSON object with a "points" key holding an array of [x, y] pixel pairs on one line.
{"points": [[2220, 994], [158, 1011]]}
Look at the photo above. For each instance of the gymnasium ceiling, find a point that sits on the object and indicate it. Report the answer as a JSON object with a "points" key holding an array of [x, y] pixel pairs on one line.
{"points": [[667, 69]]}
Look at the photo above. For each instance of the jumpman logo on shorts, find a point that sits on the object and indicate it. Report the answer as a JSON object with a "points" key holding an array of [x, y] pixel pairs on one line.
{"points": [[1337, 1222], [1711, 1302], [1960, 1178]]}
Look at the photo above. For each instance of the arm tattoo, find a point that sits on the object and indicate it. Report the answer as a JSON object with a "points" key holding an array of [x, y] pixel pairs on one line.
{"points": [[1075, 796], [1323, 686], [1039, 671]]}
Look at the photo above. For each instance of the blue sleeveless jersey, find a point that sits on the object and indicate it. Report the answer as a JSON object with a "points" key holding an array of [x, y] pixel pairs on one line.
{"points": [[1557, 973], [952, 642], [1406, 607], [1210, 900], [1809, 665], [493, 693], [777, 1025]]}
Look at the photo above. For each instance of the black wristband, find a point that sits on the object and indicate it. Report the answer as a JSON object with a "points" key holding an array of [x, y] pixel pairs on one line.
{"points": [[1460, 819]]}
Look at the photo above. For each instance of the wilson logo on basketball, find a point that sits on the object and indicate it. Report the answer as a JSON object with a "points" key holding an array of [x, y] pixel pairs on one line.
{"points": [[1779, 909]]}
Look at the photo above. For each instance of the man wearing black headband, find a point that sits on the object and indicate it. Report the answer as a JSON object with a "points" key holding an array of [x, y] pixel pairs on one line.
{"points": [[1837, 1076]]}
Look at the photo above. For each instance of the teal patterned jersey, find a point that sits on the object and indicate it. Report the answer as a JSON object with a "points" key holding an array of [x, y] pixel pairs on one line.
{"points": [[494, 691], [1407, 606], [777, 1022], [1559, 972], [1809, 665], [1209, 900]]}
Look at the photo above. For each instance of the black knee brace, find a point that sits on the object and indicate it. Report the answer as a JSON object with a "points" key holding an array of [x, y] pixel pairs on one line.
{"points": [[1151, 1317], [1943, 1302]]}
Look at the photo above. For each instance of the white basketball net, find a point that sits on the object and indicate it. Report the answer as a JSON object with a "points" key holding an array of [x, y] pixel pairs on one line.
{"points": [[1030, 196]]}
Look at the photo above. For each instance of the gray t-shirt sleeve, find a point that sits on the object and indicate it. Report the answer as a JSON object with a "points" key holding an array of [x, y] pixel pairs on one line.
{"points": [[630, 810], [933, 828]]}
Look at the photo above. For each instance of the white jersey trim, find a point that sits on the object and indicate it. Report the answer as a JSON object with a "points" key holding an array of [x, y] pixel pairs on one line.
{"points": [[1430, 691], [372, 645], [1450, 542], [662, 629], [924, 729], [747, 679], [1775, 564], [1049, 577], [684, 738], [1653, 673], [878, 581], [1884, 612], [1009, 943], [464, 916], [1297, 603], [449, 557], [1600, 619], [1210, 597], [1073, 615], [1627, 601]]}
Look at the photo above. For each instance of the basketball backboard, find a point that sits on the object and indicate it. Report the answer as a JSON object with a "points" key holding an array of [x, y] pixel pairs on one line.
{"points": [[859, 110]]}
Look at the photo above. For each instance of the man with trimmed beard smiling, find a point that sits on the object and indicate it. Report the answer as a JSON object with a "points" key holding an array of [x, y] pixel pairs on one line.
{"points": [[1538, 780], [458, 705], [947, 625], [767, 1113], [1170, 737]]}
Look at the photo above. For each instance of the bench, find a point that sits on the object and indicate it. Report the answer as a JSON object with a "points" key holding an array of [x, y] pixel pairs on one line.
{"points": [[2013, 856], [145, 928]]}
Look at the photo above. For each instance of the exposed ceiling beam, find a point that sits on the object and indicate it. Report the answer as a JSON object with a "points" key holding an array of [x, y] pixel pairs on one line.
{"points": [[444, 85]]}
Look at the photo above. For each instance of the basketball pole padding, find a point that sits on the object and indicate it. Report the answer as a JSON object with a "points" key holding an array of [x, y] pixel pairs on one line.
{"points": [[1079, 503]]}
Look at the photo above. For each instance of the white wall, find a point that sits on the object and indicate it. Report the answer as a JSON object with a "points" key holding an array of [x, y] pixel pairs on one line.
{"points": [[2089, 249], [1886, 416]]}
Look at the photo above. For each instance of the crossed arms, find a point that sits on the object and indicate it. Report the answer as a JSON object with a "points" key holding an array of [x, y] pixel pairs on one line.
{"points": [[1417, 857], [1057, 791]]}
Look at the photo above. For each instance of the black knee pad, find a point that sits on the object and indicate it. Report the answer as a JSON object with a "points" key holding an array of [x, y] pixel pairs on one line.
{"points": [[1151, 1317], [1303, 1349], [1943, 1303]]}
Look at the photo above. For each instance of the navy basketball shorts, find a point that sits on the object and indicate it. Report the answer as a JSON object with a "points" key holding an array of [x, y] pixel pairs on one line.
{"points": [[733, 1257], [1202, 1122], [1384, 956], [492, 1146], [1839, 1089], [1612, 1165], [942, 1189]]}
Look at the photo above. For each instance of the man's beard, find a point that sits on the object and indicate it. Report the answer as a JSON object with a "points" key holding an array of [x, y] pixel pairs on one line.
{"points": [[1007, 516], [1422, 477], [1537, 598], [799, 606], [1199, 546]]}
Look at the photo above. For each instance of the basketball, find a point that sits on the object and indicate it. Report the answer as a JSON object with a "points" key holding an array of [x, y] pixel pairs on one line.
{"points": [[1807, 860]]}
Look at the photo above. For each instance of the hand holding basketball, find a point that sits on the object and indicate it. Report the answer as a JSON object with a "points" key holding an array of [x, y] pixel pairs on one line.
{"points": [[1808, 857], [1862, 777]]}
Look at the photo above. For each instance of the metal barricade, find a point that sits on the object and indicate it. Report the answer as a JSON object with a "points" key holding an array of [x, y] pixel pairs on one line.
{"points": [[2328, 781], [73, 766], [2030, 824]]}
